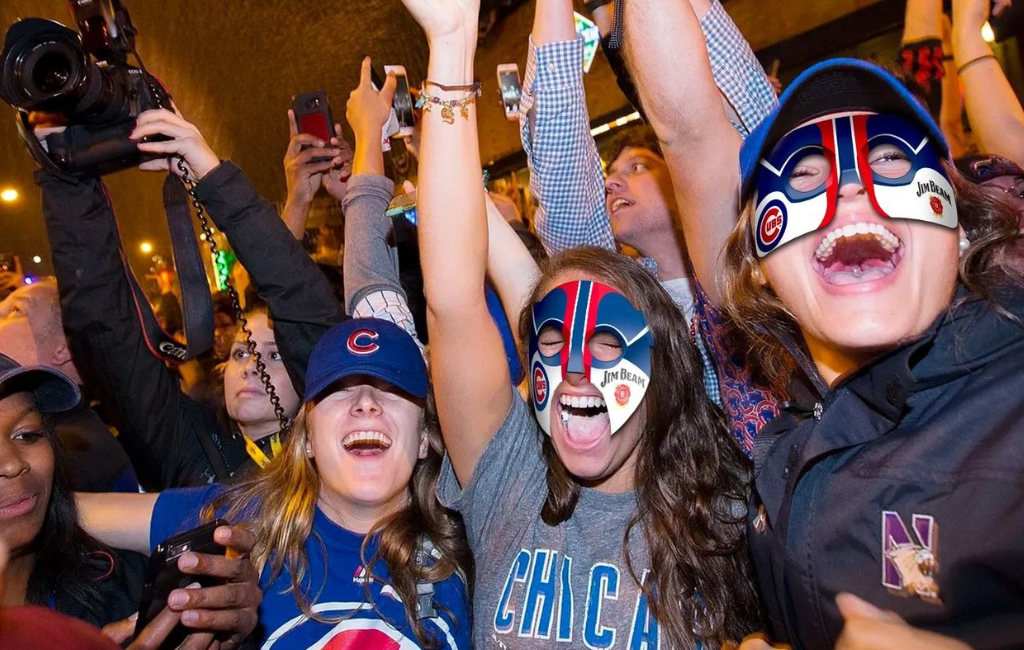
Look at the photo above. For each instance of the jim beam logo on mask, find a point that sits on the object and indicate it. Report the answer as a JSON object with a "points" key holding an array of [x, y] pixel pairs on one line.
{"points": [[931, 187], [622, 374]]}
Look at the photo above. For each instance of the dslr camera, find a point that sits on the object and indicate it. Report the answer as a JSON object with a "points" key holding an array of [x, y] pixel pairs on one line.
{"points": [[82, 80]]}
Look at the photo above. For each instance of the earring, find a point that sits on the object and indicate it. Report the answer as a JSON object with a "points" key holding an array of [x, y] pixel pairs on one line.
{"points": [[309, 450], [964, 244]]}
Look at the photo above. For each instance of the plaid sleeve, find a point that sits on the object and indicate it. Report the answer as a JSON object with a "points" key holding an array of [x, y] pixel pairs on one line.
{"points": [[566, 176], [738, 74], [747, 405]]}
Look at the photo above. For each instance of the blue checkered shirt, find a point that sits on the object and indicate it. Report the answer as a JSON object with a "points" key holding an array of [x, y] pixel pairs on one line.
{"points": [[566, 175]]}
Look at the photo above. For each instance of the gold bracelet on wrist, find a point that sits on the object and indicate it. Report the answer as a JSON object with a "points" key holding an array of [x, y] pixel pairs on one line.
{"points": [[448, 106]]}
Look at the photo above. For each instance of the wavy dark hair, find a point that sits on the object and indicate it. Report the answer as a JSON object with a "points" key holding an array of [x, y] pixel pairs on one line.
{"points": [[692, 481], [757, 314], [279, 502], [70, 564]]}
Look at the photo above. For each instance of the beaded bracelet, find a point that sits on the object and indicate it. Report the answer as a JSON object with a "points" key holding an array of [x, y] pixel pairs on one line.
{"points": [[448, 106]]}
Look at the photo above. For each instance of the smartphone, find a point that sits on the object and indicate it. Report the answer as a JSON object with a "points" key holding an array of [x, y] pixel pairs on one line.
{"points": [[403, 205], [511, 89], [391, 127], [402, 104], [313, 116], [163, 575]]}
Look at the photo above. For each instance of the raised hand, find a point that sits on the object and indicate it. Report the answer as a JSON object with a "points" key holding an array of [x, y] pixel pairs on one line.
{"points": [[302, 174], [445, 19], [184, 140], [368, 110]]}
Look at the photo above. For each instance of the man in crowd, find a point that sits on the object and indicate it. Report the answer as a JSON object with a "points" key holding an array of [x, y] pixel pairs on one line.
{"points": [[31, 333]]}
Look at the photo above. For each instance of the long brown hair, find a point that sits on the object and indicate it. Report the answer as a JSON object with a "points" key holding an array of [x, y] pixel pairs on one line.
{"points": [[692, 481], [758, 315], [279, 503]]}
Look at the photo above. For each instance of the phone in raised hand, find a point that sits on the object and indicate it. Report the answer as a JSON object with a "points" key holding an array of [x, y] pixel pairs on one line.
{"points": [[313, 116], [402, 103], [511, 89]]}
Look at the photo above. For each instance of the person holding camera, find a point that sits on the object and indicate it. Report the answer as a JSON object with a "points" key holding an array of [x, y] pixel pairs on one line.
{"points": [[172, 439], [54, 563]]}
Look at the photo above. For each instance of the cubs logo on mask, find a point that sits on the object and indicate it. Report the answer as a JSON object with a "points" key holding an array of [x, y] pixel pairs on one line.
{"points": [[579, 310], [894, 161]]}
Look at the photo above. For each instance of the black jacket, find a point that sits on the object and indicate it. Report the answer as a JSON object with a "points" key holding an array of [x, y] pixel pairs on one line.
{"points": [[903, 485], [159, 425]]}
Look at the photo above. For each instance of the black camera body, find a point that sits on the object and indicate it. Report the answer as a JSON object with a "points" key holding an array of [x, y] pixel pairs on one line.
{"points": [[82, 80]]}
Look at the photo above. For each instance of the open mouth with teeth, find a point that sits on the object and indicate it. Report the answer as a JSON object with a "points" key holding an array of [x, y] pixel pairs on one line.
{"points": [[366, 443], [621, 203], [584, 418], [859, 252]]}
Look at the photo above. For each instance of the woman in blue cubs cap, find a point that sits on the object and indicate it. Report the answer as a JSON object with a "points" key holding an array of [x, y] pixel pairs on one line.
{"points": [[869, 276], [353, 547]]}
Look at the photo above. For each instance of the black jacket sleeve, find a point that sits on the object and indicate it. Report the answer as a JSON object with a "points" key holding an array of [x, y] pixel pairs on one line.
{"points": [[302, 304], [159, 426]]}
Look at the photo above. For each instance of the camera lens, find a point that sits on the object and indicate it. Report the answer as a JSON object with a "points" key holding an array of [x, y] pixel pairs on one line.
{"points": [[51, 73], [44, 68]]}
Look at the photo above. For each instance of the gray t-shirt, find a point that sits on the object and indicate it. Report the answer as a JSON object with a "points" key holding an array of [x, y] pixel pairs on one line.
{"points": [[539, 586]]}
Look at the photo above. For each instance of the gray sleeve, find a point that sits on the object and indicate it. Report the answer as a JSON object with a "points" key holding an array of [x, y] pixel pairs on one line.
{"points": [[509, 479], [371, 264]]}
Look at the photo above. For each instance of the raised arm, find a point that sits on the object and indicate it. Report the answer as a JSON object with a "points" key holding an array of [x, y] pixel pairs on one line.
{"points": [[470, 373], [304, 175], [372, 285], [667, 57], [566, 176], [158, 424], [301, 301], [993, 109], [512, 269]]}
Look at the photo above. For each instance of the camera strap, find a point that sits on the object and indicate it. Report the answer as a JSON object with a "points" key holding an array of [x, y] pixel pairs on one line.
{"points": [[196, 302]]}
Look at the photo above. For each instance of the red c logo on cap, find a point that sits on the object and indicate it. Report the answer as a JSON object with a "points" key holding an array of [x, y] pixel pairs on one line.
{"points": [[361, 342]]}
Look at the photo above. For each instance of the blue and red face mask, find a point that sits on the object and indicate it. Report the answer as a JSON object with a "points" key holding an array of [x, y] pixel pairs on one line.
{"points": [[891, 158], [579, 310]]}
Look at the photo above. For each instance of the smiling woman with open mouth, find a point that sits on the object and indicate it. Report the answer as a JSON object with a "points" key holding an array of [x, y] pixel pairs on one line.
{"points": [[868, 274]]}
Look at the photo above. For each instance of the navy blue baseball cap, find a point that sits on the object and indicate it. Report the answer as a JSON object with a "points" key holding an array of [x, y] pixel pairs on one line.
{"points": [[835, 86], [367, 346], [53, 390]]}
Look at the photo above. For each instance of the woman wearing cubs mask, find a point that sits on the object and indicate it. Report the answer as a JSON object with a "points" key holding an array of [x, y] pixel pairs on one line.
{"points": [[605, 515], [869, 276]]}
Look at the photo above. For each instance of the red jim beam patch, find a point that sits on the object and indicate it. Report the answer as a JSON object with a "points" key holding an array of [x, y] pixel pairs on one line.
{"points": [[937, 206], [622, 394]]}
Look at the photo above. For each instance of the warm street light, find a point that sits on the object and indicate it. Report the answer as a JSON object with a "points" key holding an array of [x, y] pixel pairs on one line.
{"points": [[146, 247], [37, 259], [9, 195]]}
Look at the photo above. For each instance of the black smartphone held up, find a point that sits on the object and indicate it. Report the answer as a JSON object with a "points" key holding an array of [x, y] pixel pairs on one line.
{"points": [[511, 89], [313, 116], [163, 575], [402, 103]]}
